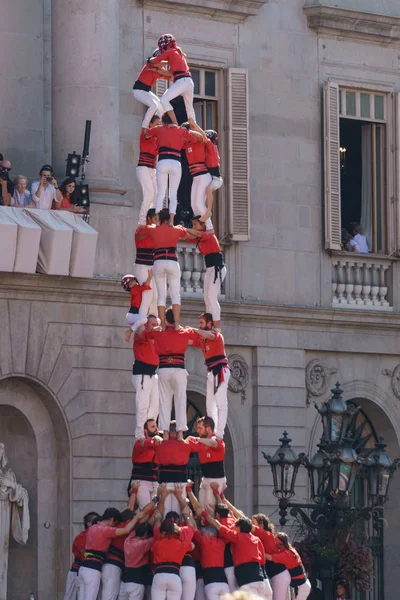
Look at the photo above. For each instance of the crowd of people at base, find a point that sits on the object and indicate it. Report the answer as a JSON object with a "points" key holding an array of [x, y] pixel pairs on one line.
{"points": [[45, 193], [167, 544]]}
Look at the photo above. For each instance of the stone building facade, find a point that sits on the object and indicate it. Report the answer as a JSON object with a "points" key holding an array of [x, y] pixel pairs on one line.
{"points": [[298, 313]]}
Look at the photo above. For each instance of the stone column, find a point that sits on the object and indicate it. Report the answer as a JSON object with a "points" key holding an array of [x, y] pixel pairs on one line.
{"points": [[85, 85]]}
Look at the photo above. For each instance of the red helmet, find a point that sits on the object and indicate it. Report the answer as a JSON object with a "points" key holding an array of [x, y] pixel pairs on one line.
{"points": [[212, 135], [127, 280], [166, 41]]}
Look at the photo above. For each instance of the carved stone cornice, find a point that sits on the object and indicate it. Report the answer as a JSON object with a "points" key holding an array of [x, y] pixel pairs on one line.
{"points": [[353, 24], [232, 10]]}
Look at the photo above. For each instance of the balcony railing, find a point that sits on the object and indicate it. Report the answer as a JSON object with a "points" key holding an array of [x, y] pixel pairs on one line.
{"points": [[192, 271], [361, 282]]}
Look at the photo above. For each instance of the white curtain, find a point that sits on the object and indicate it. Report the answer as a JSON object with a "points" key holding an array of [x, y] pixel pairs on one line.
{"points": [[366, 183]]}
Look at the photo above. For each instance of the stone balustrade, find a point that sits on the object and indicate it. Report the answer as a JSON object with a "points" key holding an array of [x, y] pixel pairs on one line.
{"points": [[361, 282], [192, 270]]}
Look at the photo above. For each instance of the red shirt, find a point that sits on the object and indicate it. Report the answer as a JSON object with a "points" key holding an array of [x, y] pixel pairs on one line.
{"points": [[165, 236], [99, 536], [211, 348], [167, 550], [78, 550], [148, 152], [136, 293], [115, 554], [144, 246], [268, 540], [148, 76], [245, 546], [172, 452], [137, 551], [144, 351], [176, 61], [65, 203], [208, 454], [289, 560], [171, 140], [212, 550], [196, 157], [228, 521], [208, 243], [171, 345], [145, 453], [212, 155]]}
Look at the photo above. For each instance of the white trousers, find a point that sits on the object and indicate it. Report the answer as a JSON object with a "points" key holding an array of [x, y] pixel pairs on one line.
{"points": [[262, 588], [206, 494], [147, 490], [147, 401], [304, 591], [166, 586], [150, 100], [183, 87], [136, 320], [172, 384], [123, 594], [200, 594], [71, 586], [110, 582], [217, 403], [230, 575], [198, 196], [216, 183], [214, 591], [168, 170], [212, 290], [188, 579], [149, 297], [91, 580], [134, 591], [280, 585], [167, 272], [148, 182], [171, 503]]}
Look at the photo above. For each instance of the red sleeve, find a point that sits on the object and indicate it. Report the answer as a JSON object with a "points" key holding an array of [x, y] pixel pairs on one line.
{"points": [[151, 133], [280, 557], [198, 538], [261, 551], [143, 287], [156, 533], [228, 534], [193, 445], [181, 231], [187, 533], [192, 335], [112, 533], [196, 339], [163, 56], [78, 544], [192, 137]]}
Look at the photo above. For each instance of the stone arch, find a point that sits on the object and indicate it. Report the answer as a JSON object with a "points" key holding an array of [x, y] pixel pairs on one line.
{"points": [[40, 408]]}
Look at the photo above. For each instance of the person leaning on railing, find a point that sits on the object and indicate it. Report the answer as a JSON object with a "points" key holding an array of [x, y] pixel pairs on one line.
{"points": [[69, 193], [21, 197]]}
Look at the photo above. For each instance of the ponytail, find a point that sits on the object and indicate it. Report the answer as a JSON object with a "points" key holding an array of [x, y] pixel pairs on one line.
{"points": [[181, 52]]}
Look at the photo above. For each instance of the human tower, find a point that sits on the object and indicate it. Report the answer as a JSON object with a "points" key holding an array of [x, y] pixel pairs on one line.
{"points": [[167, 544]]}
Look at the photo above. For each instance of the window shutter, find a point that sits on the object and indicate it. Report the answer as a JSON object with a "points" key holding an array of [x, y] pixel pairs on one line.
{"points": [[332, 166], [161, 86], [238, 151], [396, 169]]}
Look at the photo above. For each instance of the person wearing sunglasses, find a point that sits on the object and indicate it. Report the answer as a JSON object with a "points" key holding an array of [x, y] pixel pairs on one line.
{"points": [[6, 185]]}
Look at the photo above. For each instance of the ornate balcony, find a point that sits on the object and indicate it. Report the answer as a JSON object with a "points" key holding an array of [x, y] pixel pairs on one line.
{"points": [[361, 282], [192, 271]]}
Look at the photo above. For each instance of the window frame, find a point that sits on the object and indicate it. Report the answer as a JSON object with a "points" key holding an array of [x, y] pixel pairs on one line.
{"points": [[392, 156]]}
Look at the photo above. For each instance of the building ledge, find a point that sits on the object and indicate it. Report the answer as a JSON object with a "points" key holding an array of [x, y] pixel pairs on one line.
{"points": [[353, 24], [232, 10]]}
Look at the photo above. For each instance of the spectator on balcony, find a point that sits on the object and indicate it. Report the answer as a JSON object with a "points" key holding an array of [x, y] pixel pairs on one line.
{"points": [[343, 590], [46, 190], [69, 193], [360, 240], [21, 197], [6, 185]]}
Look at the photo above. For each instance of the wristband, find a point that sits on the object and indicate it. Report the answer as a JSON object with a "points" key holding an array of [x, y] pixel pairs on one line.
{"points": [[134, 490], [155, 499], [216, 492], [56, 188], [204, 515], [189, 489]]}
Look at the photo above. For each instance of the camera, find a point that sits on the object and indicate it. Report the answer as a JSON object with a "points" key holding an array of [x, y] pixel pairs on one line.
{"points": [[4, 174], [49, 178]]}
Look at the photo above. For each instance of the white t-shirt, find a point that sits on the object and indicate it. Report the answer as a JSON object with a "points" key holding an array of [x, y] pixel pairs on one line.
{"points": [[46, 195], [361, 243]]}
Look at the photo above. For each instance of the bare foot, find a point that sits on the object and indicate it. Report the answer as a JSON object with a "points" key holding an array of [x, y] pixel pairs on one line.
{"points": [[177, 327], [127, 335], [171, 222], [206, 216], [179, 436]]}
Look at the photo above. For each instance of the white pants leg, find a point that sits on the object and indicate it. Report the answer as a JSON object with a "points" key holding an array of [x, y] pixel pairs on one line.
{"points": [[172, 383], [147, 401], [206, 495], [136, 320], [188, 578], [215, 591], [198, 196], [80, 588], [166, 586], [147, 179], [171, 503], [215, 184], [135, 591], [212, 289], [167, 271], [230, 575], [200, 595], [123, 594], [146, 491], [280, 585], [260, 588], [304, 591], [91, 580], [183, 87], [71, 586], [217, 403], [149, 297], [150, 100], [172, 169], [110, 582]]}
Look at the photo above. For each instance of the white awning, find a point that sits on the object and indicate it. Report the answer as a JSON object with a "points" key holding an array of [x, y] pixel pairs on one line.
{"points": [[28, 239], [55, 242], [84, 242], [8, 242]]}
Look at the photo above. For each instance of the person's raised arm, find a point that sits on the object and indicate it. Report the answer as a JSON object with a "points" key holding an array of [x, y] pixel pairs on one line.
{"points": [[210, 443], [133, 496], [238, 514], [194, 233], [205, 334], [195, 127]]}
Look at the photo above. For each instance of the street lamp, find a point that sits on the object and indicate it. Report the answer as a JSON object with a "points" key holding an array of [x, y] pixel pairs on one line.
{"points": [[336, 417], [380, 469], [318, 473], [284, 465]]}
